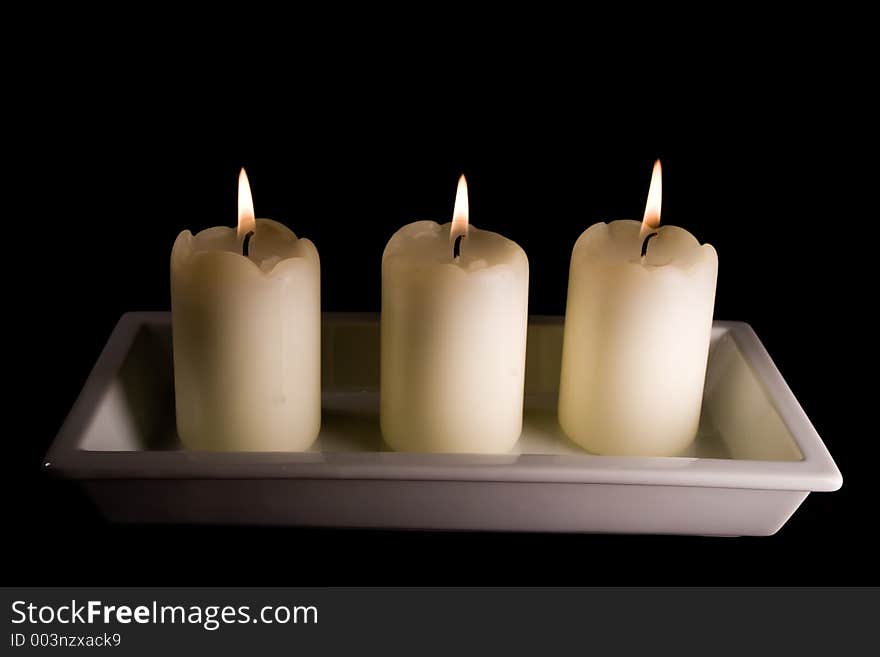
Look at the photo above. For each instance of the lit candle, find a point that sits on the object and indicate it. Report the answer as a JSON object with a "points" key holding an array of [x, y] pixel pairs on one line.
{"points": [[454, 314], [246, 327], [637, 328]]}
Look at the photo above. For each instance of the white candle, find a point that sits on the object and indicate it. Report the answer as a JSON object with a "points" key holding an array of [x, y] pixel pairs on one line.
{"points": [[453, 337], [246, 333], [637, 332]]}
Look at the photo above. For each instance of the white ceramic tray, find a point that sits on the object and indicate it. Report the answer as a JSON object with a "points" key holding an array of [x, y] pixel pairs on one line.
{"points": [[755, 460]]}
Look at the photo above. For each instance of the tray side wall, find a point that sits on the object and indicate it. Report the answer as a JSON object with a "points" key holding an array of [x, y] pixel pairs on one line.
{"points": [[498, 506]]}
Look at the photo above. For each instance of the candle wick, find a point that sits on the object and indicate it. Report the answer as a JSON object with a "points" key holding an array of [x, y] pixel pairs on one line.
{"points": [[456, 247], [246, 244], [645, 243]]}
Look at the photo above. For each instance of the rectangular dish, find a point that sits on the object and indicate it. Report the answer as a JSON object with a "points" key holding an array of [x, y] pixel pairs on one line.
{"points": [[755, 460]]}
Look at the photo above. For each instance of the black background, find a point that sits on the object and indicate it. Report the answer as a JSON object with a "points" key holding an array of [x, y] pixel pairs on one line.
{"points": [[763, 157]]}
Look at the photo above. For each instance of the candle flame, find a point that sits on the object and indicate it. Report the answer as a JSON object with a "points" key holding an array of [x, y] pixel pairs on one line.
{"points": [[652, 208], [246, 220], [460, 211]]}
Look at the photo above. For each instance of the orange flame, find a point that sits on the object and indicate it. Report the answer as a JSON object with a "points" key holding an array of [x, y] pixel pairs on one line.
{"points": [[652, 208], [246, 220], [460, 211]]}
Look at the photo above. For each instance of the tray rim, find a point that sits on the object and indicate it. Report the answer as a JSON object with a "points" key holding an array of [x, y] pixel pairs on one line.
{"points": [[816, 471]]}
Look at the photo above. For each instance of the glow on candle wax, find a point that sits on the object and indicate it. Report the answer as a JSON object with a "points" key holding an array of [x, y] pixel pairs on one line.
{"points": [[651, 219]]}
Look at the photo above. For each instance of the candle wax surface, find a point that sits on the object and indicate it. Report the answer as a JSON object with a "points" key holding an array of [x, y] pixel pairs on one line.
{"points": [[620, 242], [271, 243], [427, 243]]}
